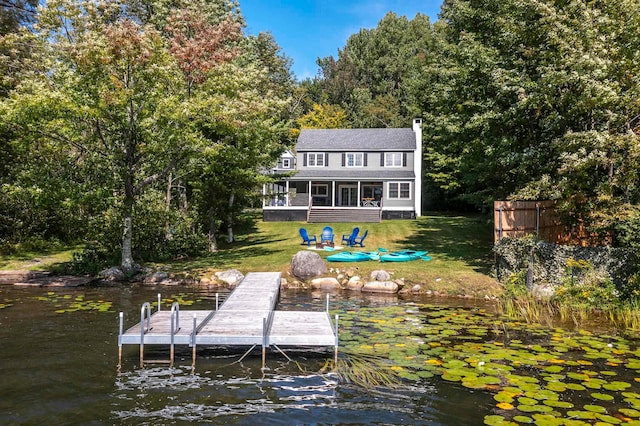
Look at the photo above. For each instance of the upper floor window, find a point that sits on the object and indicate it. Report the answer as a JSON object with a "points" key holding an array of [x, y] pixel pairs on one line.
{"points": [[286, 163], [394, 159], [315, 159], [399, 191], [354, 159]]}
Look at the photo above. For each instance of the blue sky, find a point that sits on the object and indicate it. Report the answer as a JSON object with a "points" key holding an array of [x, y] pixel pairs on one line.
{"points": [[308, 29]]}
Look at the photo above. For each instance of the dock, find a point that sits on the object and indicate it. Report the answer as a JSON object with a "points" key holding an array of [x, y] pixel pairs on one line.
{"points": [[247, 318]]}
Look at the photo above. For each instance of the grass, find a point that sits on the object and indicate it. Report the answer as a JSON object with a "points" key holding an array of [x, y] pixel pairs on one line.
{"points": [[38, 260], [460, 248]]}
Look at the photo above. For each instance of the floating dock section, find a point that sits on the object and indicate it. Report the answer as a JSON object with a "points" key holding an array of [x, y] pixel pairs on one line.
{"points": [[247, 318]]}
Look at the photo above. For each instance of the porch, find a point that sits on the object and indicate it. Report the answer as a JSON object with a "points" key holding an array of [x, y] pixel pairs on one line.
{"points": [[312, 194]]}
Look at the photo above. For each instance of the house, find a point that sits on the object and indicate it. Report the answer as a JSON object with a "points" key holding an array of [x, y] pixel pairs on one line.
{"points": [[348, 175]]}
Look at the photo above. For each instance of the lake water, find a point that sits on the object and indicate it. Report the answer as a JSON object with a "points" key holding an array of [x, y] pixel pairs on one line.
{"points": [[459, 364], [61, 368]]}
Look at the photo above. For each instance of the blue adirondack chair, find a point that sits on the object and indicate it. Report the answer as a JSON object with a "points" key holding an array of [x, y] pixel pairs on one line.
{"points": [[306, 239], [357, 241], [327, 235], [347, 239]]}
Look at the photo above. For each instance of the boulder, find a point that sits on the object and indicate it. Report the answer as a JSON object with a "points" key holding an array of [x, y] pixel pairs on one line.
{"points": [[388, 287], [380, 275], [416, 288], [231, 276], [307, 264], [325, 284], [355, 284], [156, 277], [112, 274]]}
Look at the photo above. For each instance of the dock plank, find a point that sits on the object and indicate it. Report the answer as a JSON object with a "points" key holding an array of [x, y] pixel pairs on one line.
{"points": [[240, 321], [300, 328]]}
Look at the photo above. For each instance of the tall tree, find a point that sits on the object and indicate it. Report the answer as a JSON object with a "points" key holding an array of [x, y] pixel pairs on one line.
{"points": [[372, 74], [111, 92], [533, 99]]}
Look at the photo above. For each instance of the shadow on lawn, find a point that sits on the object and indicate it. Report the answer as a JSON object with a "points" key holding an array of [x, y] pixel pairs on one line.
{"points": [[235, 255], [469, 239]]}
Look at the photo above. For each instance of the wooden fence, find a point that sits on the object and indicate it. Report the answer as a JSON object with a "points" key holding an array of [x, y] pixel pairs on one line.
{"points": [[522, 218]]}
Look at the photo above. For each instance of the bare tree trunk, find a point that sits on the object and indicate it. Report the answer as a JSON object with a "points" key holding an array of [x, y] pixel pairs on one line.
{"points": [[167, 231], [127, 265], [184, 203], [213, 242], [230, 217]]}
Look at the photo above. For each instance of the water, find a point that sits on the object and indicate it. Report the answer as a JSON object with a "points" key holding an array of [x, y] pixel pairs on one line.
{"points": [[62, 368]]}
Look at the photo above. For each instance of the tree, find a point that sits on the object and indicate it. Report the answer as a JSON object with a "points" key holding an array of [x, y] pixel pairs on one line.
{"points": [[111, 96], [534, 99], [371, 78]]}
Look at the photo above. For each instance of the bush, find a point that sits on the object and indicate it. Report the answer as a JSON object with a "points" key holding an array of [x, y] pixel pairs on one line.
{"points": [[584, 288]]}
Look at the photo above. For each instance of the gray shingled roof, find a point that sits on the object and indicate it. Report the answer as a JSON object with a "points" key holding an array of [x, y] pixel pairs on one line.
{"points": [[326, 173], [356, 139]]}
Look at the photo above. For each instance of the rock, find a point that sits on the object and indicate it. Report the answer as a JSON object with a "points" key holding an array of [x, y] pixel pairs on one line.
{"points": [[380, 275], [355, 284], [231, 276], [112, 274], [307, 264], [380, 287], [325, 284], [156, 277], [543, 291], [416, 288]]}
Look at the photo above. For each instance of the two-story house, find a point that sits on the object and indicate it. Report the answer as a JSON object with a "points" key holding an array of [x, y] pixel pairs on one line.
{"points": [[349, 175]]}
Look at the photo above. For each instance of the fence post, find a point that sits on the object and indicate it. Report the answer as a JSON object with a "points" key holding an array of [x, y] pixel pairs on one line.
{"points": [[537, 221], [500, 224]]}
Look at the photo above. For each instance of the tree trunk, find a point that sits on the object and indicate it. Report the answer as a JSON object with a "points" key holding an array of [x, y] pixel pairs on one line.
{"points": [[127, 265], [167, 231], [230, 217], [213, 242]]}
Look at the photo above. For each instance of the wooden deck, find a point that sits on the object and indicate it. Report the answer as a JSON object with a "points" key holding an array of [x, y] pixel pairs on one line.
{"points": [[246, 318]]}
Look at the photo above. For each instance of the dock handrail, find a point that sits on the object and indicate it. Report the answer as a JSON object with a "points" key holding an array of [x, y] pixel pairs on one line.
{"points": [[175, 326], [145, 306], [144, 329], [175, 311]]}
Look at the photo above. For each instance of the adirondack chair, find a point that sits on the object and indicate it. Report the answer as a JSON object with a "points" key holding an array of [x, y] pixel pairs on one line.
{"points": [[357, 241], [306, 239], [327, 235], [347, 239]]}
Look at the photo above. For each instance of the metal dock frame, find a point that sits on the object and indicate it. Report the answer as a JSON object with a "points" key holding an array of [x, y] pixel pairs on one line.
{"points": [[247, 318]]}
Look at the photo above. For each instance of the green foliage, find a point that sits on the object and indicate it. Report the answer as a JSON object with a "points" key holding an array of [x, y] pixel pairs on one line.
{"points": [[583, 288], [90, 261], [373, 76], [515, 285]]}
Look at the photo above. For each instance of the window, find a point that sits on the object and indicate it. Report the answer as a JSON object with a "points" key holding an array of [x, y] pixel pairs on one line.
{"points": [[399, 191], [286, 163], [354, 159], [315, 159], [319, 189], [393, 159]]}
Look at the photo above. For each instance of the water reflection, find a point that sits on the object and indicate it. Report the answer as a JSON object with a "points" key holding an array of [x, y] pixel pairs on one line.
{"points": [[60, 368]]}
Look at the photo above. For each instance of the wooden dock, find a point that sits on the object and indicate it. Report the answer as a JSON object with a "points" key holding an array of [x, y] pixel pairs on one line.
{"points": [[247, 318]]}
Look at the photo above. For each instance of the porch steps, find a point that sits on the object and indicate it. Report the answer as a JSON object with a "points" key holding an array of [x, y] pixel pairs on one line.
{"points": [[328, 215]]}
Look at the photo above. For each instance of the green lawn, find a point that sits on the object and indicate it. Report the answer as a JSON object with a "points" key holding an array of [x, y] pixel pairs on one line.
{"points": [[460, 248]]}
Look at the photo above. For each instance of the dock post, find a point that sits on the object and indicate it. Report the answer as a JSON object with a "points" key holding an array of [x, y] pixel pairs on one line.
{"points": [[120, 339], [264, 342], [193, 341], [335, 354], [159, 302], [327, 302], [217, 301], [143, 330]]}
